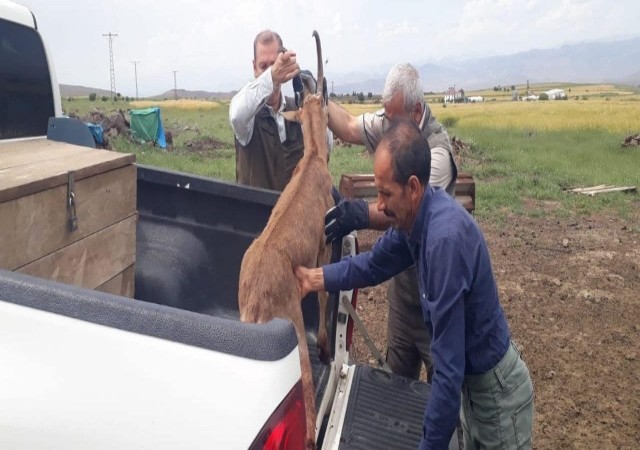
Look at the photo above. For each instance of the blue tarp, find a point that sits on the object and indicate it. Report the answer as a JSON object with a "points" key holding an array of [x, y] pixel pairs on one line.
{"points": [[97, 132]]}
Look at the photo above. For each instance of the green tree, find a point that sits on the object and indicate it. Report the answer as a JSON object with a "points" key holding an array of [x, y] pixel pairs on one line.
{"points": [[93, 96]]}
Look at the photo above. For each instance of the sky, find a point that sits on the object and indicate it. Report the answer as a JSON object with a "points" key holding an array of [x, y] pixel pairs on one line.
{"points": [[210, 43]]}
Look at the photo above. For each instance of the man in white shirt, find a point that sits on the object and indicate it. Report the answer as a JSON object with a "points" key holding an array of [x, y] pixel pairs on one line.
{"points": [[268, 147]]}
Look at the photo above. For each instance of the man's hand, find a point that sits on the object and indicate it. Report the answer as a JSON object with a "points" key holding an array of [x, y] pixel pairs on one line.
{"points": [[285, 68], [346, 216], [309, 280]]}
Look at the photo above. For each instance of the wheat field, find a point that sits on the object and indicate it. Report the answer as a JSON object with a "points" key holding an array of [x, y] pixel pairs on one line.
{"points": [[181, 104], [607, 109]]}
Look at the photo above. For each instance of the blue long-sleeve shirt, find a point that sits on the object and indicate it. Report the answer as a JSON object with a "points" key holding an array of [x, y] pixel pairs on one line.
{"points": [[458, 294]]}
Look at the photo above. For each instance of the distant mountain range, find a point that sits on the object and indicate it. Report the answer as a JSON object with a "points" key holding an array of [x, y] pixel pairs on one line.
{"points": [[589, 62], [200, 95], [67, 90]]}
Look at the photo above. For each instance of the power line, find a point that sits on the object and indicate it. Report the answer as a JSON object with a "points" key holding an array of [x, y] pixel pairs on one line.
{"points": [[135, 70], [175, 86], [112, 71]]}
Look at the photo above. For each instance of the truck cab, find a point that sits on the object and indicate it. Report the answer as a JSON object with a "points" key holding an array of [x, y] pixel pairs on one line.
{"points": [[30, 93]]}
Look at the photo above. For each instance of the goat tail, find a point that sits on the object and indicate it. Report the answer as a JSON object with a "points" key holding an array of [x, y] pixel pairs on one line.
{"points": [[320, 84]]}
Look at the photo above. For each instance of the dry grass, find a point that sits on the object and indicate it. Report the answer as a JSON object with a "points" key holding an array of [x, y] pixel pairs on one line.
{"points": [[605, 108], [182, 104], [615, 115]]}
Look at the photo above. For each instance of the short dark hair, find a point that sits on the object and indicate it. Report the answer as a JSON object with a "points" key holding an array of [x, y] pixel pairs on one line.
{"points": [[267, 37], [409, 150]]}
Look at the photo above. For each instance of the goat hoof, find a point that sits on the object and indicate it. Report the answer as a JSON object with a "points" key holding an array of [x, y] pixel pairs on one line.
{"points": [[324, 356]]}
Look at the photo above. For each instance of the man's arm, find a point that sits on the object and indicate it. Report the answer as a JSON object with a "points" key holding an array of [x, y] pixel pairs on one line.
{"points": [[343, 124], [246, 103], [389, 256], [449, 277]]}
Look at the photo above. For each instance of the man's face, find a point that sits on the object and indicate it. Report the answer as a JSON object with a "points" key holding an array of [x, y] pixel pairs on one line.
{"points": [[395, 109], [393, 199], [266, 55]]}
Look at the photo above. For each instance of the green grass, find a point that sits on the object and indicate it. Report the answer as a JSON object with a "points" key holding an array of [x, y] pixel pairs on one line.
{"points": [[515, 171]]}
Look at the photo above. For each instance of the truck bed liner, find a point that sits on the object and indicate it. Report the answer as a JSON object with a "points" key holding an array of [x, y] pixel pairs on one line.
{"points": [[385, 411]]}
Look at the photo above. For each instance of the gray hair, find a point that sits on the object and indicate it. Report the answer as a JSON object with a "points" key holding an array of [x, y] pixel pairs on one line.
{"points": [[405, 79]]}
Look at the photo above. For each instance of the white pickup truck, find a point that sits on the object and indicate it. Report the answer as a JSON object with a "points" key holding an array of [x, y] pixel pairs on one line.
{"points": [[174, 367]]}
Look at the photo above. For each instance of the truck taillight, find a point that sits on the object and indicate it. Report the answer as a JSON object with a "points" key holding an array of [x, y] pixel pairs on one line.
{"points": [[354, 303], [286, 428]]}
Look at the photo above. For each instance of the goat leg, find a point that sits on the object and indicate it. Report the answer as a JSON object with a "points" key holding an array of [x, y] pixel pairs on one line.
{"points": [[324, 257], [308, 390]]}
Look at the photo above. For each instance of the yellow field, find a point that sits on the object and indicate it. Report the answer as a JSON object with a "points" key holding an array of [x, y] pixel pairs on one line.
{"points": [[620, 114], [182, 104], [616, 115]]}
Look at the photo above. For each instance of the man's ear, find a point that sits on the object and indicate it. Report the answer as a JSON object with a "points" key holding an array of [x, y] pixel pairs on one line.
{"points": [[414, 185], [417, 113], [292, 116]]}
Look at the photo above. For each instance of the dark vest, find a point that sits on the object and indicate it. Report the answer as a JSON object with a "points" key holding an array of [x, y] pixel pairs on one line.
{"points": [[265, 161]]}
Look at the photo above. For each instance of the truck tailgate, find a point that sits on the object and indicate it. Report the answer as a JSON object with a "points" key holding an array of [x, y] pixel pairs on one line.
{"points": [[377, 410]]}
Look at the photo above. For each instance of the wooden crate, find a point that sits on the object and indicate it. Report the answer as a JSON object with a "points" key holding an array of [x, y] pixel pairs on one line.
{"points": [[36, 238], [363, 186]]}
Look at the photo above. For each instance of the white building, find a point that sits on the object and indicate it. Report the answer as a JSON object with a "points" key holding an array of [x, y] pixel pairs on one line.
{"points": [[475, 99], [556, 94], [451, 96]]}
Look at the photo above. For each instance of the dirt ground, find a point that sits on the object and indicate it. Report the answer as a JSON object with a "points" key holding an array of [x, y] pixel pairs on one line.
{"points": [[570, 291]]}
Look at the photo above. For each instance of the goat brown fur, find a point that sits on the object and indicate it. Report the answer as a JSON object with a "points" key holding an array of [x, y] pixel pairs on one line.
{"points": [[294, 236]]}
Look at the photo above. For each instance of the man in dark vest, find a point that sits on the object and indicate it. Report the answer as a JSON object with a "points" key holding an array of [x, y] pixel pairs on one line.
{"points": [[407, 337], [268, 147]]}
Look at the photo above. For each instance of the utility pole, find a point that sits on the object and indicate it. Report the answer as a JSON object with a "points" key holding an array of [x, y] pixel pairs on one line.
{"points": [[175, 86], [112, 72], [332, 87], [527, 88], [135, 71]]}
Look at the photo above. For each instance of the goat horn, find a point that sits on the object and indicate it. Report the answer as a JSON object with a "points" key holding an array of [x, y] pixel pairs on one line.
{"points": [[320, 84]]}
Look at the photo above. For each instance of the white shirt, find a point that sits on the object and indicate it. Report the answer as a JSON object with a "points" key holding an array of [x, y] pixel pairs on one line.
{"points": [[248, 101]]}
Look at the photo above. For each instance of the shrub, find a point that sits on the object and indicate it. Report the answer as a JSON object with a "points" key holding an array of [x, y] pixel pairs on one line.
{"points": [[104, 98], [543, 96], [93, 96], [449, 122]]}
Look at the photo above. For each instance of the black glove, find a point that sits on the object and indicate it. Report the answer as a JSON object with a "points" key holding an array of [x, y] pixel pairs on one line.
{"points": [[346, 216], [300, 81], [306, 78]]}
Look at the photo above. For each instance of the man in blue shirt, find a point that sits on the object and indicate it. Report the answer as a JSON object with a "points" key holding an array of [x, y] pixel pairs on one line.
{"points": [[471, 344]]}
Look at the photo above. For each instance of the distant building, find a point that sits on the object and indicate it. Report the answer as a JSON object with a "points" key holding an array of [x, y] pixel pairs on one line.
{"points": [[530, 98], [556, 94], [453, 96], [475, 99]]}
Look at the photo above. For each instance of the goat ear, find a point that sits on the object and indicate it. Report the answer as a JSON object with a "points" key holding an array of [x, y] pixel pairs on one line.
{"points": [[292, 116]]}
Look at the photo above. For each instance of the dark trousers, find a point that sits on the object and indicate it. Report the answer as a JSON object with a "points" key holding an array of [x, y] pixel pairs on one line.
{"points": [[408, 339]]}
